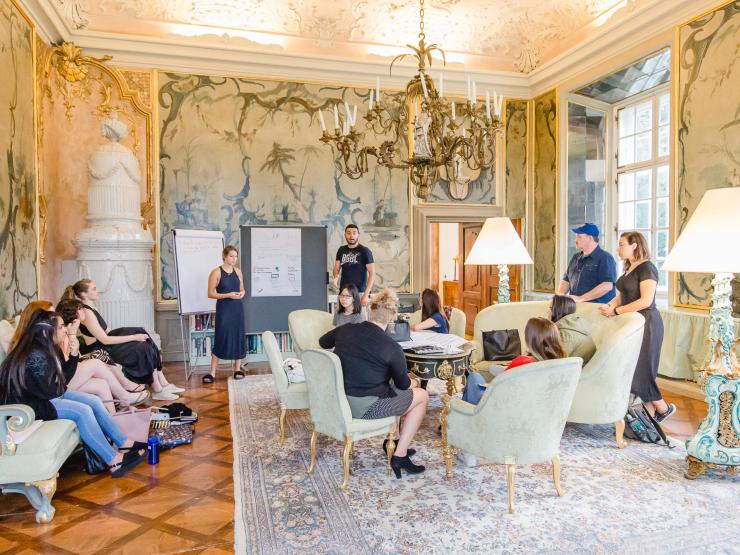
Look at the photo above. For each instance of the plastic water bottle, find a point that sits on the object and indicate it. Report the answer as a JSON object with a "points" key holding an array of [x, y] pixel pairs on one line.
{"points": [[152, 449]]}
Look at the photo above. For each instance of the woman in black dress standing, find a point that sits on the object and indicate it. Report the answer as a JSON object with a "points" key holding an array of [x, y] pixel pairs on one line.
{"points": [[636, 293], [226, 284]]}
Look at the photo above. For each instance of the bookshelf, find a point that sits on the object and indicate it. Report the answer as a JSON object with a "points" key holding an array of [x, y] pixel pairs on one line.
{"points": [[201, 329]]}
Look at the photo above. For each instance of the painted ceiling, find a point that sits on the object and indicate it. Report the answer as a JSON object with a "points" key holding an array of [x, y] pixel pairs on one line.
{"points": [[506, 35]]}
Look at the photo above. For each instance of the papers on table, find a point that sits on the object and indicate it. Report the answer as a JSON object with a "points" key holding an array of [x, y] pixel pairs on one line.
{"points": [[446, 341]]}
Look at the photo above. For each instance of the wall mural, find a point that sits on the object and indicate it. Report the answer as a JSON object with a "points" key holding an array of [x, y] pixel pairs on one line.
{"points": [[545, 192], [516, 158], [18, 242], [708, 154], [237, 151]]}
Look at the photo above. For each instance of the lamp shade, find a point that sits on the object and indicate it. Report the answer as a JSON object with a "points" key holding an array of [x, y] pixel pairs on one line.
{"points": [[498, 243], [709, 242]]}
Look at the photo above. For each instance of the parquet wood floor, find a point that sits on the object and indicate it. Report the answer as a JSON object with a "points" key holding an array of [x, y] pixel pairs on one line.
{"points": [[185, 504]]}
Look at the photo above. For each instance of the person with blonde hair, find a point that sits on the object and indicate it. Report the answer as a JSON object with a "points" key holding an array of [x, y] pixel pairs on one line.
{"points": [[636, 293], [370, 360]]}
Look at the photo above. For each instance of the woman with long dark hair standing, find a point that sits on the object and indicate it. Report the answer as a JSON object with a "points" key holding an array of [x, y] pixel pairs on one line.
{"points": [[636, 293], [432, 314], [226, 285], [32, 375]]}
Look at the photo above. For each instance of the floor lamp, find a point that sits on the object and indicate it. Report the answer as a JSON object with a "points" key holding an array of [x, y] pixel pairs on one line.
{"points": [[498, 243], [709, 243]]}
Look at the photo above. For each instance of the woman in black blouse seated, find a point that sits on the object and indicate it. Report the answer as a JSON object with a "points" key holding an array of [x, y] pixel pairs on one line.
{"points": [[32, 374], [370, 359], [130, 347]]}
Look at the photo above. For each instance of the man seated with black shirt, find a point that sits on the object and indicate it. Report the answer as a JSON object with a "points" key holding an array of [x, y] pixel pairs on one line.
{"points": [[370, 359]]}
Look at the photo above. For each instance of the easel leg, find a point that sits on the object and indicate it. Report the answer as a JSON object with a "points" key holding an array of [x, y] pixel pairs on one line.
{"points": [[185, 348]]}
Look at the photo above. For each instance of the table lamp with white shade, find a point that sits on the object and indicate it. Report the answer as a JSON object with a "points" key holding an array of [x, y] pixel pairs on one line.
{"points": [[710, 244], [498, 243]]}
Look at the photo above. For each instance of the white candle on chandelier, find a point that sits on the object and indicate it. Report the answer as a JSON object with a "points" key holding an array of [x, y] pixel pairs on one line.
{"points": [[441, 84], [423, 79], [347, 114], [377, 89], [454, 116], [488, 104], [336, 117], [475, 94], [499, 104], [470, 99], [370, 100], [321, 121]]}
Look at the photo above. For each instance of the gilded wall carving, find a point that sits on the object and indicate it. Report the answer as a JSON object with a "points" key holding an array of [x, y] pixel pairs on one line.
{"points": [[708, 153], [76, 93], [516, 138], [18, 239], [236, 151], [545, 189]]}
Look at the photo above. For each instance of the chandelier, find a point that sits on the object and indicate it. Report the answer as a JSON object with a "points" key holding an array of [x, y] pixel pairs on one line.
{"points": [[426, 132]]}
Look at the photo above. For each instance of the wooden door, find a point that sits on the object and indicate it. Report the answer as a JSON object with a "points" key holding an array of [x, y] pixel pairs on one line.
{"points": [[472, 278]]}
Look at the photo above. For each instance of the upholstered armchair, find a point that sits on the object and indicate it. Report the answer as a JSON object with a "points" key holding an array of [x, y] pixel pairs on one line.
{"points": [[292, 395], [603, 390], [457, 321], [330, 412], [306, 326], [520, 419], [31, 468]]}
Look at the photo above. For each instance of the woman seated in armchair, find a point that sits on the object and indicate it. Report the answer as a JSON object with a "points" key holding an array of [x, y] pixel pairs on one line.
{"points": [[32, 375], [370, 360], [543, 342], [432, 315], [575, 334]]}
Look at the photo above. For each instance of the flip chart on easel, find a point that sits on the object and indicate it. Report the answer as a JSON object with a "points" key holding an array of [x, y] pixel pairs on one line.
{"points": [[197, 252]]}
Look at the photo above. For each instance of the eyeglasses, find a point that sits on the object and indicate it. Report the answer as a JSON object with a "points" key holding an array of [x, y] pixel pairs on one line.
{"points": [[345, 296]]}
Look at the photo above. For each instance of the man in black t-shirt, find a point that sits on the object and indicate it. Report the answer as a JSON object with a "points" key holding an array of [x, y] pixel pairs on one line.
{"points": [[356, 264]]}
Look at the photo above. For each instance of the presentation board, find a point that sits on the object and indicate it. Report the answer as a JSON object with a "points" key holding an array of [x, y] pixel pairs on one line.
{"points": [[197, 252], [284, 268]]}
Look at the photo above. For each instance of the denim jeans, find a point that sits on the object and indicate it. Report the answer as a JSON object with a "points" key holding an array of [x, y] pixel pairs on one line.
{"points": [[473, 392], [93, 421]]}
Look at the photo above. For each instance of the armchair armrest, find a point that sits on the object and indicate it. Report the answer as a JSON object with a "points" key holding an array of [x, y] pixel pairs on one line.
{"points": [[463, 407], [477, 354], [13, 418]]}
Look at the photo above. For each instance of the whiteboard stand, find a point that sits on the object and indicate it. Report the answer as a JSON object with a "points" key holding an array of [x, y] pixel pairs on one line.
{"points": [[189, 366]]}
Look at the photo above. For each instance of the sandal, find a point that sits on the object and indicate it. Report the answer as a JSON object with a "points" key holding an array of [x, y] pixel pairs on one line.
{"points": [[208, 378], [130, 460], [137, 446], [239, 375], [143, 397], [138, 389]]}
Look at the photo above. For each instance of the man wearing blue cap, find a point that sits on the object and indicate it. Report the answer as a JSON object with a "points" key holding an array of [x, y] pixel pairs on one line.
{"points": [[591, 273]]}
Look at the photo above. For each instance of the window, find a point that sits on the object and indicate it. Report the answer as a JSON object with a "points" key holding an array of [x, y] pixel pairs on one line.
{"points": [[643, 129]]}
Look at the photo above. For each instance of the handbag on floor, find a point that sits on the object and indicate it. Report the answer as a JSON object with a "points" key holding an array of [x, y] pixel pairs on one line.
{"points": [[639, 425], [94, 464], [132, 421]]}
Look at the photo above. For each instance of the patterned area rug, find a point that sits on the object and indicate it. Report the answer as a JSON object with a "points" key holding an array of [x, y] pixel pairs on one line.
{"points": [[633, 500]]}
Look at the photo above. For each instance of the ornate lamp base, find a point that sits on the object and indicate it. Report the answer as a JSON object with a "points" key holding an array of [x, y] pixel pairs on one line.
{"points": [[503, 284], [717, 442]]}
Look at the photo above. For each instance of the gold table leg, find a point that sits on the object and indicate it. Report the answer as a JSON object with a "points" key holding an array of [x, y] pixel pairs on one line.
{"points": [[446, 448]]}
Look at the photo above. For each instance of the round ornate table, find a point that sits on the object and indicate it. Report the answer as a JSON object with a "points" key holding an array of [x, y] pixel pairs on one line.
{"points": [[447, 367]]}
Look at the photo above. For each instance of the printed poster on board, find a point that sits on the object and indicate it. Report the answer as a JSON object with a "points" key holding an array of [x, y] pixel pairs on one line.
{"points": [[276, 262]]}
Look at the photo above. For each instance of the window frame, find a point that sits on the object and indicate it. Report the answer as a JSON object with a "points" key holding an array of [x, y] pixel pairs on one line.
{"points": [[653, 95]]}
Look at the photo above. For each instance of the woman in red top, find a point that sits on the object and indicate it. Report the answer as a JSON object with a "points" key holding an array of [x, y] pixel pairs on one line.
{"points": [[543, 339]]}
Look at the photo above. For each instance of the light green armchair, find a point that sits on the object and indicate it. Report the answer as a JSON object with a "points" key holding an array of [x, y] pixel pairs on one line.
{"points": [[457, 321], [520, 419], [330, 412], [306, 326], [603, 390], [292, 395], [31, 468]]}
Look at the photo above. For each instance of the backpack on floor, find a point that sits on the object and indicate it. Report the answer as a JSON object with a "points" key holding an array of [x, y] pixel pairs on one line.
{"points": [[639, 425]]}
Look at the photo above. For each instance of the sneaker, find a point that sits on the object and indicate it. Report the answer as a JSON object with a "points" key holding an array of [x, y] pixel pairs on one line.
{"points": [[164, 395], [172, 388], [662, 416], [467, 459]]}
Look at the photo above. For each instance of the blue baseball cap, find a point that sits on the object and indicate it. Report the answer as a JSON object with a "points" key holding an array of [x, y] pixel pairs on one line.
{"points": [[587, 229]]}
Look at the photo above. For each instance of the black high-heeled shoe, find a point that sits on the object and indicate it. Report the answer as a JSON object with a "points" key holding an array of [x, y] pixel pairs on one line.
{"points": [[410, 452], [398, 463]]}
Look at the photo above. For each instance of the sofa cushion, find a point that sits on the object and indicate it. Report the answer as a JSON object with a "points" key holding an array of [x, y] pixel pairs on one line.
{"points": [[41, 454]]}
